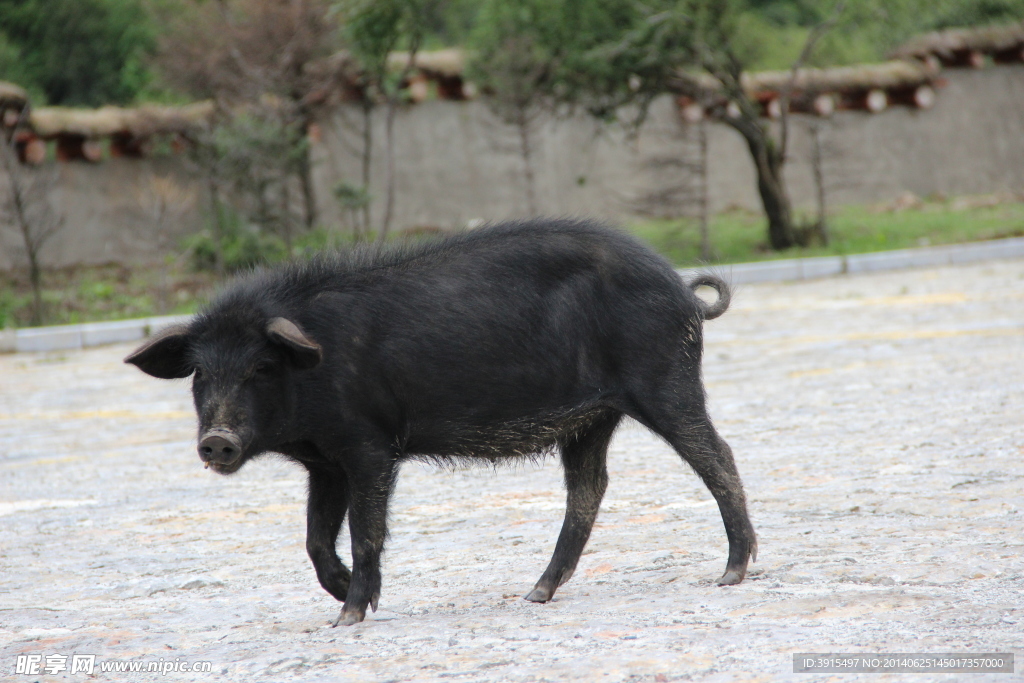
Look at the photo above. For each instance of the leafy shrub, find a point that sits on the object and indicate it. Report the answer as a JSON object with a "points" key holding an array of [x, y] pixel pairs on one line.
{"points": [[242, 246]]}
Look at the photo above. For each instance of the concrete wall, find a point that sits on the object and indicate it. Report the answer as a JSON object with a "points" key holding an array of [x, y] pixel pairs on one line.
{"points": [[456, 162], [118, 211], [971, 142]]}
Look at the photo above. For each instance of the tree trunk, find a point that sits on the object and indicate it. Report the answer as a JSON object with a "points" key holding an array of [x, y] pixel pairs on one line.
{"points": [[218, 227], [768, 163], [35, 274], [389, 166], [286, 217], [20, 211], [32, 245], [772, 187], [771, 184], [308, 192], [525, 151], [367, 158], [393, 100], [776, 205], [817, 162], [705, 232]]}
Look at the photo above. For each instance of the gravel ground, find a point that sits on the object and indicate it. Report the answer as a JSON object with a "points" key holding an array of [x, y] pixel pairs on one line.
{"points": [[876, 421]]}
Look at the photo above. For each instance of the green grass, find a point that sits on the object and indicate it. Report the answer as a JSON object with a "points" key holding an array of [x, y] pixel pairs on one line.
{"points": [[92, 294], [738, 236]]}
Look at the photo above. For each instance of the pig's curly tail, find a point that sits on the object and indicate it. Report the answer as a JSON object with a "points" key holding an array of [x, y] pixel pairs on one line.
{"points": [[712, 310]]}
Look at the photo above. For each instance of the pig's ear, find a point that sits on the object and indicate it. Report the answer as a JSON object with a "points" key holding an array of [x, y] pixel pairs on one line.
{"points": [[305, 352], [164, 355]]}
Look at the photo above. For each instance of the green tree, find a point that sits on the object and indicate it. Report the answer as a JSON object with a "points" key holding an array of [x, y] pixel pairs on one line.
{"points": [[630, 52], [870, 28], [248, 159], [86, 52], [449, 23], [512, 62], [12, 69], [715, 29], [276, 56], [901, 16], [374, 31]]}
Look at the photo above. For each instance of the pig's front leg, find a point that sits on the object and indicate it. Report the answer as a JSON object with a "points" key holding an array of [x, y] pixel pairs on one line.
{"points": [[325, 512], [371, 482]]}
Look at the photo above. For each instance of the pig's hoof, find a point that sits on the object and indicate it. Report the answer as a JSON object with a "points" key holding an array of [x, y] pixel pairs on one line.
{"points": [[348, 618], [538, 595], [731, 578]]}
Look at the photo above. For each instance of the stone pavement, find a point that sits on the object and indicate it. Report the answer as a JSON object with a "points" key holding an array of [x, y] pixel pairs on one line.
{"points": [[876, 420]]}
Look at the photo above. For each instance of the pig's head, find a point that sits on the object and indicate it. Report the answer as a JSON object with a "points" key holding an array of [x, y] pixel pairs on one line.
{"points": [[243, 380]]}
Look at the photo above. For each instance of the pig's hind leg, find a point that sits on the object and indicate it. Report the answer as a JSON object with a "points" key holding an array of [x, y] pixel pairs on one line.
{"points": [[325, 512], [679, 416], [586, 477]]}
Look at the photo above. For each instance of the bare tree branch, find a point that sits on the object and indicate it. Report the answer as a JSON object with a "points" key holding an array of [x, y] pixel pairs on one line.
{"points": [[816, 34], [27, 209]]}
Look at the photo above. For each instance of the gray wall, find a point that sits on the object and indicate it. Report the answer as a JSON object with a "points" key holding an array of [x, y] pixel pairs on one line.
{"points": [[456, 162], [971, 142], [112, 212]]}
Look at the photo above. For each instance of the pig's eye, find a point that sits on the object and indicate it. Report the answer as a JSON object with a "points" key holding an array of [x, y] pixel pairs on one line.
{"points": [[197, 374], [262, 368]]}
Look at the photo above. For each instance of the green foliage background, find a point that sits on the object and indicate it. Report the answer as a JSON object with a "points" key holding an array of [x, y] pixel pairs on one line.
{"points": [[869, 29], [95, 52], [80, 52]]}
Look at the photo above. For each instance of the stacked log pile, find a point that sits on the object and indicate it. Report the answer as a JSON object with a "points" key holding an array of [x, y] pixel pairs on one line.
{"points": [[14, 110], [910, 80], [872, 88], [444, 68], [972, 47], [79, 132], [13, 99]]}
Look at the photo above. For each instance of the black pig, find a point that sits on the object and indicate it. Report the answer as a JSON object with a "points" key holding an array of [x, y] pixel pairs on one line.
{"points": [[503, 342]]}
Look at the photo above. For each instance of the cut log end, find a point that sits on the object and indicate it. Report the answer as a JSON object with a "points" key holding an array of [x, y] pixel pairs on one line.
{"points": [[876, 101], [692, 113], [35, 152], [92, 150], [419, 89], [924, 97], [824, 105]]}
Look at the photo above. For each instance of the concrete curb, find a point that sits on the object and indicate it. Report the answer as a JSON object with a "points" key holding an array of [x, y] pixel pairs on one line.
{"points": [[826, 266], [66, 337], [809, 268]]}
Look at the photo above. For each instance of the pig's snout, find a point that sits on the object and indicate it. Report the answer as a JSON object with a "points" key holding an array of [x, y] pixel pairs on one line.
{"points": [[220, 447]]}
